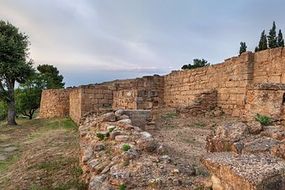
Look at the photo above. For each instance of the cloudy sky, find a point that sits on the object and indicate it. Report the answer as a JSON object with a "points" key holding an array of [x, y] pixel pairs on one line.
{"points": [[97, 40]]}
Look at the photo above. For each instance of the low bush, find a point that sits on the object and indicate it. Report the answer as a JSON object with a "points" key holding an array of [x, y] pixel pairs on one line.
{"points": [[263, 119], [126, 147]]}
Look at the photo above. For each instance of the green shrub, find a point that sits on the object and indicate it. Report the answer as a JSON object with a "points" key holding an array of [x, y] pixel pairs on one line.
{"points": [[122, 187], [3, 110], [263, 119], [126, 147], [101, 136]]}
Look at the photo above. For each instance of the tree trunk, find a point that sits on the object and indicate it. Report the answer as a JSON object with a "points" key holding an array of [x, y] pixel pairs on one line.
{"points": [[11, 113], [11, 104]]}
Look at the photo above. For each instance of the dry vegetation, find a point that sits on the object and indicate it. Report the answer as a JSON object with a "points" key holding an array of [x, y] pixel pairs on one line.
{"points": [[42, 154]]}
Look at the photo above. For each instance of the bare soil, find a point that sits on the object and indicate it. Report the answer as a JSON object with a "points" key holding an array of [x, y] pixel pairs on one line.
{"points": [[185, 138]]}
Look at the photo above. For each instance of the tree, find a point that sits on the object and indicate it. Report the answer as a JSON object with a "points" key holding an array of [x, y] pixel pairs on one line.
{"points": [[280, 40], [51, 75], [242, 48], [272, 39], [28, 95], [196, 64], [262, 45], [14, 66]]}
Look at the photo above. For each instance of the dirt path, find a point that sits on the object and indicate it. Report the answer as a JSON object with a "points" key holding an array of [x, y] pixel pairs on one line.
{"points": [[185, 138], [43, 155]]}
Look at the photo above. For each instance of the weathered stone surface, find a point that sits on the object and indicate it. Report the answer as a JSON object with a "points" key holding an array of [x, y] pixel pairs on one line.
{"points": [[122, 138], [244, 86], [225, 136], [260, 145], [246, 171], [109, 117], [255, 127], [279, 150]]}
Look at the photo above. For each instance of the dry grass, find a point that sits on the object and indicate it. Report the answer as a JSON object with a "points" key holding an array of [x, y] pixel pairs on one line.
{"points": [[47, 157]]}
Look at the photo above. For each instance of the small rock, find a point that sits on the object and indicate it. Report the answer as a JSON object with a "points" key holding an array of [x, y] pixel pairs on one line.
{"points": [[255, 127], [96, 182], [165, 159], [119, 112], [99, 147], [125, 121], [113, 134], [123, 117], [146, 134], [121, 138], [87, 154], [109, 117]]}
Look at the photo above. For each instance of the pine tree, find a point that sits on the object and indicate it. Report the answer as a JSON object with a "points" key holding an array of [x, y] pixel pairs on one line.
{"points": [[262, 45], [242, 47], [280, 40], [272, 39]]}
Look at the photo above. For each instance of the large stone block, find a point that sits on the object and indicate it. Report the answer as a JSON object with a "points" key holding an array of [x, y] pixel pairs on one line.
{"points": [[246, 171]]}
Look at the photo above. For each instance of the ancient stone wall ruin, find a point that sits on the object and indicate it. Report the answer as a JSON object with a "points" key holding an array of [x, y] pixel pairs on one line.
{"points": [[232, 81], [55, 103]]}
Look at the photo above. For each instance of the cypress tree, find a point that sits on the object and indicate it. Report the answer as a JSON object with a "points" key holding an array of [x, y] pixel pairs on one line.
{"points": [[262, 45], [242, 47], [272, 39], [280, 40]]}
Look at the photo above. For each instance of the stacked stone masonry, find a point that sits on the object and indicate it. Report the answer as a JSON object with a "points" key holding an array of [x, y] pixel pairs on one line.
{"points": [[235, 82]]}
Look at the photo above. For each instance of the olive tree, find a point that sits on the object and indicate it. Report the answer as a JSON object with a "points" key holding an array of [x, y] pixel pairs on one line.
{"points": [[14, 65]]}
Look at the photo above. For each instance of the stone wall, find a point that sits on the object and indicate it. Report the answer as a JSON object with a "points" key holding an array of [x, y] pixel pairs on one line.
{"points": [[90, 98], [232, 81], [75, 105], [140, 93], [55, 103], [269, 66], [265, 99], [125, 99]]}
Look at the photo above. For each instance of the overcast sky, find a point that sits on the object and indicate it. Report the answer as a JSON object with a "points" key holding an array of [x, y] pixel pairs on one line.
{"points": [[98, 40]]}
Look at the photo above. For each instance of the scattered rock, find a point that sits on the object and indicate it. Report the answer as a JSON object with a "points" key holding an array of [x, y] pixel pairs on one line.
{"points": [[99, 147], [96, 182], [255, 127], [119, 112], [122, 138], [109, 117]]}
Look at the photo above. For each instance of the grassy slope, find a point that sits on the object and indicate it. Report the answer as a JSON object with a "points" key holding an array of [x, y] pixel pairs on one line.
{"points": [[47, 155]]}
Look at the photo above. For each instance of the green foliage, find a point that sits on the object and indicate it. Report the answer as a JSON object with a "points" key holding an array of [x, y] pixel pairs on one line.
{"points": [[14, 66], [262, 45], [28, 95], [196, 64], [3, 110], [100, 136], [126, 147], [263, 119], [280, 40], [272, 39], [242, 48], [122, 187], [51, 74]]}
